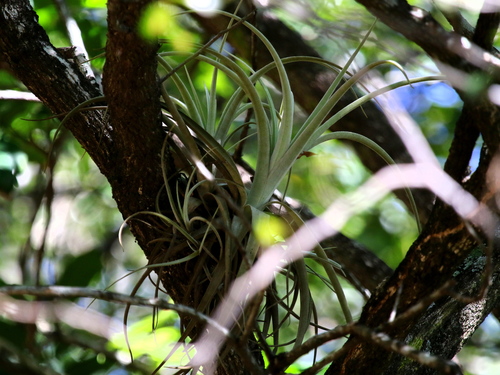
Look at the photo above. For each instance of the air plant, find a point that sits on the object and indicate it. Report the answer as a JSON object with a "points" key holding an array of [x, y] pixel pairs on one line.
{"points": [[215, 201]]}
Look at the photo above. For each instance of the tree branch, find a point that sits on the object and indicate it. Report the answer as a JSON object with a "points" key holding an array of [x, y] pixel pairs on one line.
{"points": [[486, 28], [375, 336], [421, 28], [54, 79], [445, 239], [77, 292], [449, 323]]}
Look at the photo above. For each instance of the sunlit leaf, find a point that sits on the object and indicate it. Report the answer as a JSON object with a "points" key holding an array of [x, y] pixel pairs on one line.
{"points": [[159, 21], [269, 229], [146, 341], [94, 3]]}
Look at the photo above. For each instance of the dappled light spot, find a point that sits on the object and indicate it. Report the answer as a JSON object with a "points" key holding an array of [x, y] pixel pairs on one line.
{"points": [[203, 6]]}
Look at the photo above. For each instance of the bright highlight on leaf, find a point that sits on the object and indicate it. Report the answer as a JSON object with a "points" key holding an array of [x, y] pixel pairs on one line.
{"points": [[270, 229], [94, 4], [223, 87], [159, 21], [155, 21], [101, 358], [144, 341]]}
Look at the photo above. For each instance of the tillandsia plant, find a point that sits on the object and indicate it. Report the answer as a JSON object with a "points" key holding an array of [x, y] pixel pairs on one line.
{"points": [[203, 176], [216, 200]]}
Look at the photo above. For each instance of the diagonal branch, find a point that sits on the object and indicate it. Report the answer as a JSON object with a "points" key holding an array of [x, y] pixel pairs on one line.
{"points": [[421, 28], [59, 311], [80, 292], [55, 80]]}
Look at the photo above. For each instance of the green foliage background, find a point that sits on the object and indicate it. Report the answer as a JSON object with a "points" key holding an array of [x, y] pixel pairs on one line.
{"points": [[67, 212]]}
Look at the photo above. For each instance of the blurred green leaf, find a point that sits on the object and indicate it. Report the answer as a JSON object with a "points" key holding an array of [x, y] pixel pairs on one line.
{"points": [[144, 341], [12, 332], [80, 270], [333, 28], [159, 20], [94, 3], [8, 181], [88, 365]]}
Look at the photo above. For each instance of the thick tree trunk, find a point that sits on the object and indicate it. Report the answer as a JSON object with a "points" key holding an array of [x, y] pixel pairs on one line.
{"points": [[449, 323]]}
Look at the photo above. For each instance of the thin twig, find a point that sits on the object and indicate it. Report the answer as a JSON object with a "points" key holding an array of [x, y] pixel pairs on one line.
{"points": [[284, 360], [329, 358], [77, 292], [75, 36], [420, 306], [281, 362], [425, 358], [18, 95]]}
